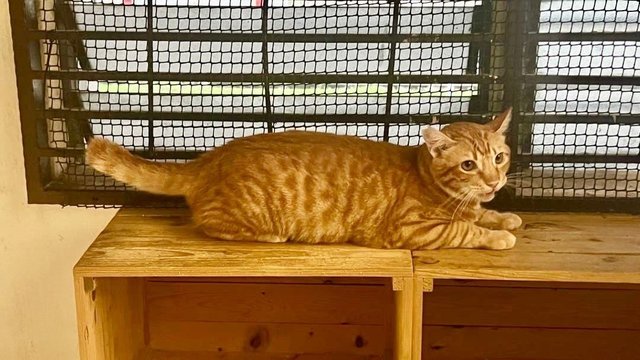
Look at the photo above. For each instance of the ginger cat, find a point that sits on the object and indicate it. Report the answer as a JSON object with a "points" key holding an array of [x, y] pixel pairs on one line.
{"points": [[322, 188]]}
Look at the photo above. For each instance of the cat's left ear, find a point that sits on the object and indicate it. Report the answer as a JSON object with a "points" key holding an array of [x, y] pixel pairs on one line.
{"points": [[436, 141], [500, 124]]}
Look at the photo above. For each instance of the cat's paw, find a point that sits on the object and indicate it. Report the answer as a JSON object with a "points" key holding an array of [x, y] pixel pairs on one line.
{"points": [[500, 240], [510, 221]]}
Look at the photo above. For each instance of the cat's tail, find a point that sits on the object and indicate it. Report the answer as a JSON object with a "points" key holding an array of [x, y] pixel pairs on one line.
{"points": [[158, 178]]}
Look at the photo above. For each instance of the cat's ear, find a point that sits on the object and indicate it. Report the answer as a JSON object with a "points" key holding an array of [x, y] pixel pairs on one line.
{"points": [[500, 124], [436, 141]]}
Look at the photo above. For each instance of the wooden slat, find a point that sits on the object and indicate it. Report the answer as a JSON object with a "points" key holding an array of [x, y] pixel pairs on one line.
{"points": [[210, 355], [467, 264], [525, 266], [533, 307], [462, 343], [268, 303], [535, 284], [271, 338], [318, 281], [552, 247], [178, 250]]}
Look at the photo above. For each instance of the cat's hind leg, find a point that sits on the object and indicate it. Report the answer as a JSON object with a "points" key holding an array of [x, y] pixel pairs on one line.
{"points": [[219, 222], [229, 232]]}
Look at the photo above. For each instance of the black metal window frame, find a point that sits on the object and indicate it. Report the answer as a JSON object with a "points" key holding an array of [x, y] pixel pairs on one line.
{"points": [[512, 73]]}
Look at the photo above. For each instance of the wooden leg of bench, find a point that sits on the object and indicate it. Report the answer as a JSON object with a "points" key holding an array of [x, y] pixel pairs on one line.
{"points": [[87, 327], [403, 288], [416, 331], [420, 285]]}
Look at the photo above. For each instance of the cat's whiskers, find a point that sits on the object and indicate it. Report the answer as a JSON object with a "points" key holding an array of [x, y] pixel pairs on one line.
{"points": [[457, 197], [463, 204], [517, 182], [453, 199], [470, 193], [511, 180], [516, 175]]}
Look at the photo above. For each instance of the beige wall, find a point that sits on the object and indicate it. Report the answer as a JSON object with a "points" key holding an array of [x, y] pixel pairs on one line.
{"points": [[38, 244]]}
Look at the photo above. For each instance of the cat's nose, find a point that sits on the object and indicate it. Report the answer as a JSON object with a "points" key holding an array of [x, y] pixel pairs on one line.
{"points": [[494, 184]]}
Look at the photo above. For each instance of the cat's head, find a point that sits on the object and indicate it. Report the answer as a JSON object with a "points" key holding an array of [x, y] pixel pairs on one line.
{"points": [[468, 159]]}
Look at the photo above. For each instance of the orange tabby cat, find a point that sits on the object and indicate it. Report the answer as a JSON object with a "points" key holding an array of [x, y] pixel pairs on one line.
{"points": [[321, 188]]}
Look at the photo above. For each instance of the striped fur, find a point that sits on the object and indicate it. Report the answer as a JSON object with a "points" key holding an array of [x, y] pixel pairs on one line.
{"points": [[323, 188]]}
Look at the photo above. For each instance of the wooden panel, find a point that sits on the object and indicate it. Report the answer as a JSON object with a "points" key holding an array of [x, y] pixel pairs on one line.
{"points": [[272, 338], [169, 246], [579, 233], [89, 331], [533, 307], [119, 305], [272, 303], [209, 355], [552, 247], [460, 343], [110, 318]]}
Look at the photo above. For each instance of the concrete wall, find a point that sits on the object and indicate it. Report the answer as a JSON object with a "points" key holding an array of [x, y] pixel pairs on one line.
{"points": [[38, 244]]}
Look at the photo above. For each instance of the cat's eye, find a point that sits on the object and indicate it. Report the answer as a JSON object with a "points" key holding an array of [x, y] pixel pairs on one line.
{"points": [[500, 158], [468, 165]]}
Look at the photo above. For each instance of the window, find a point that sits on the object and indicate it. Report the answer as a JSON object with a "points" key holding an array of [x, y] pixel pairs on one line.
{"points": [[172, 78]]}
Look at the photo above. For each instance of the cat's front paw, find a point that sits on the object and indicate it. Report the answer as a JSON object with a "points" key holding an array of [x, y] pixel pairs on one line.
{"points": [[500, 240], [510, 221]]}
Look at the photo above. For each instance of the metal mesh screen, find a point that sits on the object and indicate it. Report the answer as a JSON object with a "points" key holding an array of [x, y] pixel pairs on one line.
{"points": [[172, 78]]}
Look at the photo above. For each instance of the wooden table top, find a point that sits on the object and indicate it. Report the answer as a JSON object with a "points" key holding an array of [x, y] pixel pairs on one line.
{"points": [[155, 242], [573, 247]]}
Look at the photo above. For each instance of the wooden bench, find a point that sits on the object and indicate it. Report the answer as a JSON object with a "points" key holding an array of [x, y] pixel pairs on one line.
{"points": [[554, 251], [153, 287]]}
